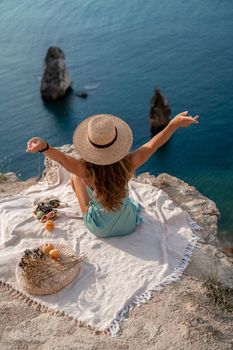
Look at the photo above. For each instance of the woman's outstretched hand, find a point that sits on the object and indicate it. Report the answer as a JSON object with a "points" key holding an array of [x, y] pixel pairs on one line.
{"points": [[183, 120], [35, 144]]}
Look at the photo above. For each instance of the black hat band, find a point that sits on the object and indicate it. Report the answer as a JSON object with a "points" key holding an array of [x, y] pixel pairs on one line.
{"points": [[106, 145]]}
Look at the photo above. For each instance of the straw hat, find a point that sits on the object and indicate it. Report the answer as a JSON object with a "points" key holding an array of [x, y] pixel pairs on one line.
{"points": [[103, 139]]}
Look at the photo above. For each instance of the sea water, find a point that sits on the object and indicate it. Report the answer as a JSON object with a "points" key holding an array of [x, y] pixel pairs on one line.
{"points": [[119, 51]]}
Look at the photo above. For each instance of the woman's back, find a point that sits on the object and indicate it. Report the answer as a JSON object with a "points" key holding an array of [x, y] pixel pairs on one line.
{"points": [[109, 182], [111, 211], [105, 223]]}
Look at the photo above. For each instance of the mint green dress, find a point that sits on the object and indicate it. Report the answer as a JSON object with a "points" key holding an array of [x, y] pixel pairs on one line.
{"points": [[115, 223]]}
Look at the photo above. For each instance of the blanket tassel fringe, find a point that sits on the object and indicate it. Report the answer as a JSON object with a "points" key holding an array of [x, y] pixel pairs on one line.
{"points": [[13, 292], [114, 328]]}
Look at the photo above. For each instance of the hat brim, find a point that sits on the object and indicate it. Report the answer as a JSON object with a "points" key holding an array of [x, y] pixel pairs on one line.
{"points": [[103, 156]]}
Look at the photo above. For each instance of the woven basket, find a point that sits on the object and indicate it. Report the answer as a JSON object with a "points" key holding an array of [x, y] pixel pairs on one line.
{"points": [[59, 279]]}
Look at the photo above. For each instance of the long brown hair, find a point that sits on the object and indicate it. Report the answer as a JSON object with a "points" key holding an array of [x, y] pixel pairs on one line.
{"points": [[109, 181]]}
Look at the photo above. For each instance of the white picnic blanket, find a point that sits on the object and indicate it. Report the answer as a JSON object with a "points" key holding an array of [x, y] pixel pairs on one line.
{"points": [[120, 271]]}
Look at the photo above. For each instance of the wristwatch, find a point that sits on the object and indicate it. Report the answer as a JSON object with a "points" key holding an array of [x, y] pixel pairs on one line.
{"points": [[44, 149]]}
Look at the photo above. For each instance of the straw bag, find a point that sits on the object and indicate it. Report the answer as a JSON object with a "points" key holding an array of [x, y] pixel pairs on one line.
{"points": [[46, 276]]}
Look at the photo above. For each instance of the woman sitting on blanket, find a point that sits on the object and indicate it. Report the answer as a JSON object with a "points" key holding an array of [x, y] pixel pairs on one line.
{"points": [[100, 177]]}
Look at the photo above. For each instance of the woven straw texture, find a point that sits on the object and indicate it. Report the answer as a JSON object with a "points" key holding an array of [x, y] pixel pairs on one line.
{"points": [[54, 276]]}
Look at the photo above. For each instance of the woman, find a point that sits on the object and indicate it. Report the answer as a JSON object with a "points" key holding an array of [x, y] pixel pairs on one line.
{"points": [[100, 178]]}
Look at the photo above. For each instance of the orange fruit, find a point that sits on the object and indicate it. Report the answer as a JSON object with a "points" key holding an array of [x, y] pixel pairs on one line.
{"points": [[47, 247], [55, 254], [49, 225]]}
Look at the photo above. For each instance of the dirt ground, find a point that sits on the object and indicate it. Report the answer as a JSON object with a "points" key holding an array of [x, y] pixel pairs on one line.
{"points": [[179, 317]]}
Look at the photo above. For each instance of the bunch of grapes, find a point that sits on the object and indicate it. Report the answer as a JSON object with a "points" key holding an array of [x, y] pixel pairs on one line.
{"points": [[46, 206]]}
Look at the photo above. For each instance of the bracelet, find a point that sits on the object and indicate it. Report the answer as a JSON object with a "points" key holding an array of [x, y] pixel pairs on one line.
{"points": [[44, 149]]}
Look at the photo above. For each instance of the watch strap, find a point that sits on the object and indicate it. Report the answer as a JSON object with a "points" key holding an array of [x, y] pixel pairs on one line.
{"points": [[44, 149]]}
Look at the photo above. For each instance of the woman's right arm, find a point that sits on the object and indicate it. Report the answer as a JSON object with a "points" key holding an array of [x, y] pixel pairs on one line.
{"points": [[71, 164], [143, 153]]}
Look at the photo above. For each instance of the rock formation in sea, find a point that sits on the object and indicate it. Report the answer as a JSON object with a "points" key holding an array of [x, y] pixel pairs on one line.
{"points": [[159, 112], [82, 94], [56, 80]]}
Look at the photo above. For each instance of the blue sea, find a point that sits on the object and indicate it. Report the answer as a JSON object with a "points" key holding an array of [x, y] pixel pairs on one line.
{"points": [[119, 51]]}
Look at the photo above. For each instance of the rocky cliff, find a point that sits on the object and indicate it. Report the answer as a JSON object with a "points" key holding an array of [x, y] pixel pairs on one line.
{"points": [[195, 313]]}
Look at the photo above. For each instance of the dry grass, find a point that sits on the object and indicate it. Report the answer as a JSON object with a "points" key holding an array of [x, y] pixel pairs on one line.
{"points": [[2, 177], [219, 294]]}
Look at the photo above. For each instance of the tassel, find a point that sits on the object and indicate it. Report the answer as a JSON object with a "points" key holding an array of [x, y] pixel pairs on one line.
{"points": [[114, 328]]}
